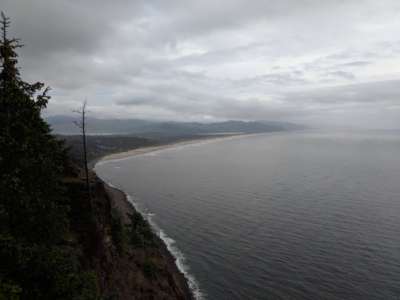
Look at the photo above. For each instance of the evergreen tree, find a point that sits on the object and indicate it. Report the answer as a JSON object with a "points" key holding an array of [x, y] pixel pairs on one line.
{"points": [[31, 160], [36, 262]]}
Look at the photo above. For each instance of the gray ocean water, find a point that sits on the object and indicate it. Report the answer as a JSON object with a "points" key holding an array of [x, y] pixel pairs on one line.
{"points": [[277, 216]]}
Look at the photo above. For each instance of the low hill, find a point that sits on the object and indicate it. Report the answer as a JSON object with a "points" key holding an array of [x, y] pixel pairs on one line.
{"points": [[157, 129]]}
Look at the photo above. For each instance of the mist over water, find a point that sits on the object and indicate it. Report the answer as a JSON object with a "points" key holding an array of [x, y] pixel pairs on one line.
{"points": [[277, 216]]}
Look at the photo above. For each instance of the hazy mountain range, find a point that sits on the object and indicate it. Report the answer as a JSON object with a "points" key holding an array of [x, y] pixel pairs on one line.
{"points": [[65, 125]]}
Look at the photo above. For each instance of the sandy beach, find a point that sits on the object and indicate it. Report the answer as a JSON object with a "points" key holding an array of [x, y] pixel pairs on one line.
{"points": [[121, 203], [144, 150]]}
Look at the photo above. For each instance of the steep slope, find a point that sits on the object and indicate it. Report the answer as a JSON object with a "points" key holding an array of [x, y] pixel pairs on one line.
{"points": [[129, 260]]}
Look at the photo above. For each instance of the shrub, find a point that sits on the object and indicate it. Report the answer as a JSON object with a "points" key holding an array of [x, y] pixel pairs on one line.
{"points": [[139, 231]]}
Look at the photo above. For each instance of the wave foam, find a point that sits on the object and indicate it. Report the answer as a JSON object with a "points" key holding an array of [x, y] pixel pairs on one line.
{"points": [[172, 248]]}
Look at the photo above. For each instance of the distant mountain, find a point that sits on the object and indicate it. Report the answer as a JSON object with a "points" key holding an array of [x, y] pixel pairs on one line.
{"points": [[155, 129]]}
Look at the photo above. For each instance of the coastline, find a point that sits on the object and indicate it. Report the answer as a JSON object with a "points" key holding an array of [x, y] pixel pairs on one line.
{"points": [[121, 202], [145, 150], [125, 205]]}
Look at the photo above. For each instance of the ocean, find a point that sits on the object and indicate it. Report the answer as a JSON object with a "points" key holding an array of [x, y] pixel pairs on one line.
{"points": [[296, 215]]}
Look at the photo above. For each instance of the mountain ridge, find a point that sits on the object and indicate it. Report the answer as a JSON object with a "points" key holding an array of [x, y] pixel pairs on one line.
{"points": [[62, 124]]}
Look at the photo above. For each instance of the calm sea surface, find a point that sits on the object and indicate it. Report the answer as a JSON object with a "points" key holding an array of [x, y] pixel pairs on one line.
{"points": [[277, 216]]}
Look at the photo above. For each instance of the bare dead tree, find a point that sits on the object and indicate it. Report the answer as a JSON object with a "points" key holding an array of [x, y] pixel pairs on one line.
{"points": [[82, 126]]}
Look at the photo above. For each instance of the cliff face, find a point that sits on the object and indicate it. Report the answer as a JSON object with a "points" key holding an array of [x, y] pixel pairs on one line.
{"points": [[130, 261]]}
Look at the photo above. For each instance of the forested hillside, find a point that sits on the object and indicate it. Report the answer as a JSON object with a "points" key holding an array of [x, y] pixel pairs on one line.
{"points": [[59, 239]]}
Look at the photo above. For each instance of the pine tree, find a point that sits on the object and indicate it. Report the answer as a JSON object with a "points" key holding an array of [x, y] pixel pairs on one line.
{"points": [[36, 261], [31, 159]]}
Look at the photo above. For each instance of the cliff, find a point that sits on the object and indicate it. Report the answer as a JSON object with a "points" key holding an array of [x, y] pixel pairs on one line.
{"points": [[129, 260]]}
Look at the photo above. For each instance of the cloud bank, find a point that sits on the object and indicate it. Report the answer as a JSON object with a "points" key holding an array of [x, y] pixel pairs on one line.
{"points": [[314, 62]]}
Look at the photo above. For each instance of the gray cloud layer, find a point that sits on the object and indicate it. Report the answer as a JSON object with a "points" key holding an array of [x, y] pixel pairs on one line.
{"points": [[315, 62]]}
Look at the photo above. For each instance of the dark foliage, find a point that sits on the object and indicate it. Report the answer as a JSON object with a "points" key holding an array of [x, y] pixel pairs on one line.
{"points": [[99, 146], [118, 231], [139, 231], [36, 261], [150, 269]]}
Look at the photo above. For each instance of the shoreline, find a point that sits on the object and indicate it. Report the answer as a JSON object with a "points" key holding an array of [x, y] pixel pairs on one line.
{"points": [[121, 202], [145, 150], [125, 204]]}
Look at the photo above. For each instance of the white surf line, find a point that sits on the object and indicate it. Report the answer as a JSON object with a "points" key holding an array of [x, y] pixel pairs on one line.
{"points": [[168, 242], [172, 248]]}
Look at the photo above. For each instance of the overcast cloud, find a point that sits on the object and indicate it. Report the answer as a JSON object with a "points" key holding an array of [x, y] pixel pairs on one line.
{"points": [[315, 62]]}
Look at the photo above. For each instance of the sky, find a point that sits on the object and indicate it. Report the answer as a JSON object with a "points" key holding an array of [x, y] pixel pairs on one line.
{"points": [[319, 63]]}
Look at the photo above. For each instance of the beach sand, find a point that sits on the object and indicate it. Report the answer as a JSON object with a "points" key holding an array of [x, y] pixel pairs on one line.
{"points": [[144, 150], [121, 203]]}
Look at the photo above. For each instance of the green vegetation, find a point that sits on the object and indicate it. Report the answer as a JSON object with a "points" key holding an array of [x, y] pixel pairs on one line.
{"points": [[118, 231], [150, 269], [139, 231], [59, 239], [37, 260]]}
